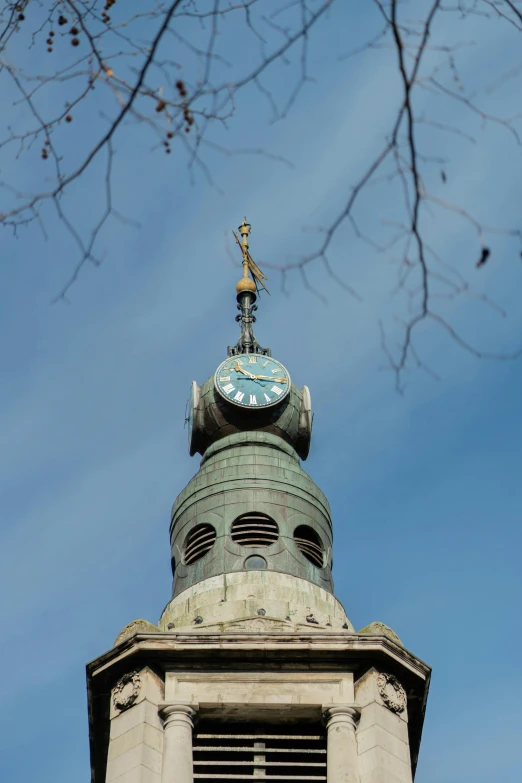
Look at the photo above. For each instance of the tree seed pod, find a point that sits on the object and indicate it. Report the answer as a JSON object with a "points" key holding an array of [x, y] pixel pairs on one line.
{"points": [[75, 41]]}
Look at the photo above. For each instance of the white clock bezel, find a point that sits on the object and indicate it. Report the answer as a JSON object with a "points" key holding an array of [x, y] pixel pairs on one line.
{"points": [[252, 407]]}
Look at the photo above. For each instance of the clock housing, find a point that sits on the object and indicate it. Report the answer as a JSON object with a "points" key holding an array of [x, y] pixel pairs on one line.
{"points": [[252, 381]]}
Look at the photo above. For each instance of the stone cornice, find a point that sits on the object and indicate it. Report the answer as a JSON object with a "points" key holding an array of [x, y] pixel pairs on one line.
{"points": [[332, 643]]}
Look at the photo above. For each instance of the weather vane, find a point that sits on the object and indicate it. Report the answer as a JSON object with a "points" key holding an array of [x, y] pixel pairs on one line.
{"points": [[248, 261], [247, 289]]}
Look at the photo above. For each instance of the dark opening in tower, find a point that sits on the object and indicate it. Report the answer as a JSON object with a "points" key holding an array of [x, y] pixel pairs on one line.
{"points": [[229, 752], [309, 543], [254, 530]]}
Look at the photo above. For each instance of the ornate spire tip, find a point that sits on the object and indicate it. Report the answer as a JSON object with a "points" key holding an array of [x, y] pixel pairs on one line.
{"points": [[249, 265]]}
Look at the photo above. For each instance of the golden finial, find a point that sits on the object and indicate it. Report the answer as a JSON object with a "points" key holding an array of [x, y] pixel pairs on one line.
{"points": [[249, 265]]}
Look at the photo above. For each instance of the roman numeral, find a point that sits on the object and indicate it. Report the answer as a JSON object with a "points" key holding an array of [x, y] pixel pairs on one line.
{"points": [[229, 388], [264, 365], [267, 398], [225, 378], [253, 399], [276, 370], [276, 390], [238, 361], [252, 359], [239, 396]]}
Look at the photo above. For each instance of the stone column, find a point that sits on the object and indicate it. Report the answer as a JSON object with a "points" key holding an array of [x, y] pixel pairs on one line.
{"points": [[178, 723], [341, 761]]}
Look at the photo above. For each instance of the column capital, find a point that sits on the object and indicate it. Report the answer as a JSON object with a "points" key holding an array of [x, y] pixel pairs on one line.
{"points": [[173, 712], [340, 713]]}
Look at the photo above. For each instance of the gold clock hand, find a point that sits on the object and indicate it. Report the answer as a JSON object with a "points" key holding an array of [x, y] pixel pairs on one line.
{"points": [[270, 378], [240, 369]]}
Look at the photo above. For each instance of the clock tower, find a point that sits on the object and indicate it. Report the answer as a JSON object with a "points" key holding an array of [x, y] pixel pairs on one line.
{"points": [[254, 669]]}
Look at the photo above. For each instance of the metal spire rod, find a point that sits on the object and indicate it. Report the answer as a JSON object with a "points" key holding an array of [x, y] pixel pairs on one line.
{"points": [[247, 290]]}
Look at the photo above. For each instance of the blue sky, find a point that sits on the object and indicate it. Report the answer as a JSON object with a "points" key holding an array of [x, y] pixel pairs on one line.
{"points": [[425, 487]]}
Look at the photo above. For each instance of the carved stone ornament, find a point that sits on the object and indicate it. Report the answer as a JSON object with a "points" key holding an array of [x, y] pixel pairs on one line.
{"points": [[136, 626], [126, 691], [392, 692]]}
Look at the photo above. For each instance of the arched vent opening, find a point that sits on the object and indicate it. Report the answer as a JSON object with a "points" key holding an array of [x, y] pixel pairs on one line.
{"points": [[199, 541], [254, 530], [309, 543]]}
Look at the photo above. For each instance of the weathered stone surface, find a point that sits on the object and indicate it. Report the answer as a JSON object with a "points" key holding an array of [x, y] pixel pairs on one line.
{"points": [[369, 690], [136, 734], [375, 714], [141, 755], [379, 766], [145, 712], [238, 596], [382, 733], [136, 626], [142, 734], [178, 724], [377, 736], [150, 689], [380, 629], [342, 757], [244, 690], [138, 774]]}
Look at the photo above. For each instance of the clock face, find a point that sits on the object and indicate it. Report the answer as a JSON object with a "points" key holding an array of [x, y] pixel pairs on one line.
{"points": [[252, 381]]}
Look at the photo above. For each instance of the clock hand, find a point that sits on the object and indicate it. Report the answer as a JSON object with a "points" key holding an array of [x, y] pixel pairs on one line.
{"points": [[240, 369], [260, 377], [270, 378]]}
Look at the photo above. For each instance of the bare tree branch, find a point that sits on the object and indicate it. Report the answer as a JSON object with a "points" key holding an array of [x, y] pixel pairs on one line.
{"points": [[165, 68]]}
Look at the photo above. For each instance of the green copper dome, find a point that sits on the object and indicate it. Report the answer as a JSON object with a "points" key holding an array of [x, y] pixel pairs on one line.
{"points": [[251, 507]]}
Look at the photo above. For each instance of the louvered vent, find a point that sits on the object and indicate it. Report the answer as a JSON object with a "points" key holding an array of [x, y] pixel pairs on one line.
{"points": [[309, 543], [198, 542], [254, 530], [242, 752]]}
